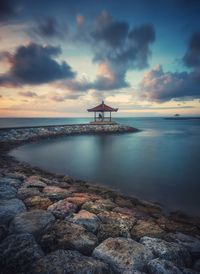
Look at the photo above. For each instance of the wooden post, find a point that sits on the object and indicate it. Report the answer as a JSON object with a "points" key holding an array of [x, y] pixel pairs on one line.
{"points": [[110, 116], [95, 116]]}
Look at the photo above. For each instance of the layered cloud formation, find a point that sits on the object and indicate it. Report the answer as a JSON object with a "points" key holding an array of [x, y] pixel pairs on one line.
{"points": [[35, 64], [158, 85]]}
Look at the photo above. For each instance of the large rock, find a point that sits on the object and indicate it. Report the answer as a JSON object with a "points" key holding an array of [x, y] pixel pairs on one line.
{"points": [[62, 209], [114, 225], [65, 235], [32, 222], [35, 181], [99, 206], [17, 253], [160, 266], [37, 202], [197, 265], [167, 250], [11, 181], [7, 191], [24, 192], [190, 242], [10, 208], [88, 220], [123, 254], [146, 228], [123, 202], [79, 198], [71, 262], [56, 193]]}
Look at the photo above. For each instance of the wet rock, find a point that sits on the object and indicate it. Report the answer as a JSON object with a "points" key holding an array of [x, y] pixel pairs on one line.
{"points": [[34, 181], [189, 271], [9, 208], [24, 193], [159, 266], [56, 193], [67, 261], [114, 225], [79, 199], [17, 253], [153, 209], [132, 212], [37, 202], [167, 250], [190, 242], [3, 232], [7, 191], [88, 220], [15, 175], [32, 222], [123, 254], [11, 181], [197, 265], [98, 206], [62, 209], [123, 202], [65, 235], [146, 228]]}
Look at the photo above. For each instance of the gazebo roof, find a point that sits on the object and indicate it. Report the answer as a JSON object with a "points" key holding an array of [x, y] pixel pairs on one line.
{"points": [[102, 107]]}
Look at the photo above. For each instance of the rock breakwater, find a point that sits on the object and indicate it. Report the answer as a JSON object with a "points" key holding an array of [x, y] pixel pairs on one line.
{"points": [[54, 224]]}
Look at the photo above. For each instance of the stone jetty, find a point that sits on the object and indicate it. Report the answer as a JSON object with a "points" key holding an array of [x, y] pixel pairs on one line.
{"points": [[51, 223]]}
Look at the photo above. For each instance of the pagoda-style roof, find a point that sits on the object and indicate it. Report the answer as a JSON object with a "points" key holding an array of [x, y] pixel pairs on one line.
{"points": [[102, 108]]}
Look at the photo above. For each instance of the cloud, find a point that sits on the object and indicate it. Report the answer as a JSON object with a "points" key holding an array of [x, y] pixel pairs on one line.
{"points": [[8, 9], [158, 85], [117, 47], [192, 56], [161, 86], [30, 94], [49, 27], [35, 64]]}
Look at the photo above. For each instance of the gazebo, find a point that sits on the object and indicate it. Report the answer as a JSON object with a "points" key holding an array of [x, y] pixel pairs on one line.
{"points": [[99, 113]]}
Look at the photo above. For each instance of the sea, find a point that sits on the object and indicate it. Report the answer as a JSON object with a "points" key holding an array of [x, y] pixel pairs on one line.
{"points": [[161, 163]]}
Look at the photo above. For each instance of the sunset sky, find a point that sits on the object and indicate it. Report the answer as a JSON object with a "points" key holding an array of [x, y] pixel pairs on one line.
{"points": [[60, 57]]}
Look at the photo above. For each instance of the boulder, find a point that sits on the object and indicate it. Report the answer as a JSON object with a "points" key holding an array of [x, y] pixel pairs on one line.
{"points": [[35, 183], [99, 206], [17, 253], [56, 193], [7, 191], [146, 228], [11, 181], [88, 220], [174, 252], [114, 225], [190, 242], [24, 193], [189, 271], [65, 235], [197, 265], [79, 199], [32, 222], [67, 261], [3, 232], [123, 202], [37, 202], [123, 254], [160, 266], [62, 209], [9, 208]]}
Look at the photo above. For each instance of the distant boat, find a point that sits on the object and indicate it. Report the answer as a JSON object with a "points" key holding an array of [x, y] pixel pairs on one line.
{"points": [[176, 115]]}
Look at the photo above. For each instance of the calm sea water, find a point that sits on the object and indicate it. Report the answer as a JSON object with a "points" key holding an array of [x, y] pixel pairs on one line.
{"points": [[160, 163]]}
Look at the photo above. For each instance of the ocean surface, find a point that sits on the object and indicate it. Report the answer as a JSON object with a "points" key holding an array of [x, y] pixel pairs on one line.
{"points": [[161, 163]]}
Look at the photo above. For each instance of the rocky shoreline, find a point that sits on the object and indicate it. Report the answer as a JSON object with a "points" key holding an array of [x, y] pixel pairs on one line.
{"points": [[54, 224]]}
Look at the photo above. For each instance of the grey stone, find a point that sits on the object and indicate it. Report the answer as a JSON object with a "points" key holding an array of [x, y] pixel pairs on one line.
{"points": [[62, 209], [160, 266], [31, 222], [99, 206], [123, 254], [65, 235], [9, 208], [7, 191], [17, 253], [190, 242], [169, 251], [69, 262], [87, 219]]}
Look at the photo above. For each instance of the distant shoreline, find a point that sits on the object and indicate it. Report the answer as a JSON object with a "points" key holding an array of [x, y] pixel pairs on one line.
{"points": [[182, 118]]}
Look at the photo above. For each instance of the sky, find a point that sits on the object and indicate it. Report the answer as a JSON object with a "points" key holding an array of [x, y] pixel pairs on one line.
{"points": [[60, 57]]}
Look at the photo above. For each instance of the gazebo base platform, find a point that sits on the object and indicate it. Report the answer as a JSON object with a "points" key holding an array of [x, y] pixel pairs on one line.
{"points": [[103, 123]]}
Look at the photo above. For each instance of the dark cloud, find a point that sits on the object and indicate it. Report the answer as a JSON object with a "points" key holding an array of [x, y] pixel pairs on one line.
{"points": [[192, 56], [118, 46], [161, 86], [8, 9], [30, 94], [49, 28], [35, 64]]}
